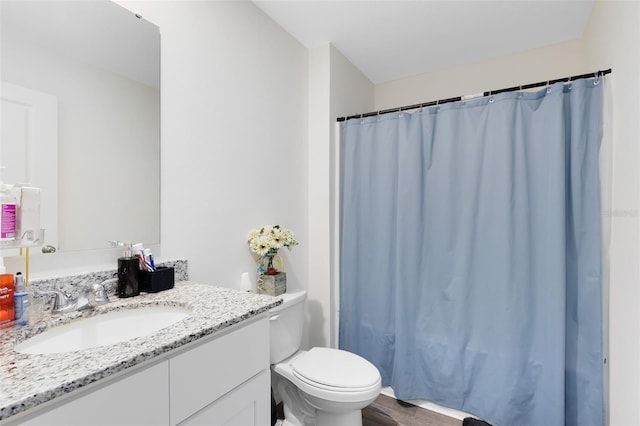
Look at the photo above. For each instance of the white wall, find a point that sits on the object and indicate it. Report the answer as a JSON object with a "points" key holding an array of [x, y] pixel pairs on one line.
{"points": [[319, 298], [612, 39], [557, 61], [234, 130], [336, 88]]}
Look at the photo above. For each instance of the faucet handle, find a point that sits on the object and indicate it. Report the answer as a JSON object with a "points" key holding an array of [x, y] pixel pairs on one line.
{"points": [[98, 295]]}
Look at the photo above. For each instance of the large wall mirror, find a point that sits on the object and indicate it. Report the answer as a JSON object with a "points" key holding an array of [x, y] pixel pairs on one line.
{"points": [[98, 64]]}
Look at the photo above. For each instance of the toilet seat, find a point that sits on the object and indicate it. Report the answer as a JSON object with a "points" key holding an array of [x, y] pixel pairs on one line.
{"points": [[345, 392], [335, 370]]}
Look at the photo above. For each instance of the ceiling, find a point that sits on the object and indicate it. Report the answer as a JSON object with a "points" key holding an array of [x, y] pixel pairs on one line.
{"points": [[394, 39]]}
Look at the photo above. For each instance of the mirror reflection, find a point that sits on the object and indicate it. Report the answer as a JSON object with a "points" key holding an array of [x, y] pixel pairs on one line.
{"points": [[80, 82]]}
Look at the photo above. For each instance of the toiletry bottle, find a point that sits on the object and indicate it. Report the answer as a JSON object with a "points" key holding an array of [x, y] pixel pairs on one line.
{"points": [[128, 273], [27, 211], [7, 213], [7, 312], [21, 301]]}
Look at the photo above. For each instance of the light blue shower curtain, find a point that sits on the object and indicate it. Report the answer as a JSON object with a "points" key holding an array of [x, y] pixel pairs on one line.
{"points": [[471, 254]]}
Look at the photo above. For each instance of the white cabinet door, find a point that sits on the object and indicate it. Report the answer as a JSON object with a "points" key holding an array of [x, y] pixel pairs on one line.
{"points": [[138, 399], [207, 372], [246, 405]]}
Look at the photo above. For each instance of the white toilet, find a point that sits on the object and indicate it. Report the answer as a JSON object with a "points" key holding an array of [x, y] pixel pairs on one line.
{"points": [[322, 386]]}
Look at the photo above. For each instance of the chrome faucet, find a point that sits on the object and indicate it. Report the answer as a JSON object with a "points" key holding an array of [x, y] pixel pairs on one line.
{"points": [[61, 302], [91, 296]]}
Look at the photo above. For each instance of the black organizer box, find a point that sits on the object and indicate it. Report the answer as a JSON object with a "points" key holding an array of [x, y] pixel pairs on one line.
{"points": [[163, 278]]}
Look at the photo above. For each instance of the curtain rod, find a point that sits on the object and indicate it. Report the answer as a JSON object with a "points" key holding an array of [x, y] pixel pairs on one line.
{"points": [[488, 93]]}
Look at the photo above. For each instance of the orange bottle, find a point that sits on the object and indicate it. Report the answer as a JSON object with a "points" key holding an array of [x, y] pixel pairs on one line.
{"points": [[7, 311]]}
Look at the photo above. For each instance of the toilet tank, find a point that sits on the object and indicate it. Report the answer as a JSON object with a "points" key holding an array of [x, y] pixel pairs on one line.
{"points": [[286, 323]]}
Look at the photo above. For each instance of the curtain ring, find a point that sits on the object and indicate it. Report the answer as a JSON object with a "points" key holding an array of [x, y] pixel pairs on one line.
{"points": [[596, 78]]}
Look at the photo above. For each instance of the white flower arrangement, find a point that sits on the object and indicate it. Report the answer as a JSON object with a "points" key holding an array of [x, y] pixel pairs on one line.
{"points": [[266, 241]]}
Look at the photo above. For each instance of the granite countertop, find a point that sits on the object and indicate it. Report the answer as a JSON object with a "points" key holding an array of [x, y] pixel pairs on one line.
{"points": [[29, 380]]}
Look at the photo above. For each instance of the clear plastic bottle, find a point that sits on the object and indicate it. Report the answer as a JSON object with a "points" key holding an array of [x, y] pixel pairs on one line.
{"points": [[21, 301]]}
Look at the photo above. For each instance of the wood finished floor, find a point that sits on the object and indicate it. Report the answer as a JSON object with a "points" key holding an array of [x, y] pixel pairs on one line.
{"points": [[387, 411]]}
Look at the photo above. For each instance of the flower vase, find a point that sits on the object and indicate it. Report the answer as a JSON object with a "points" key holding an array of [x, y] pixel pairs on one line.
{"points": [[273, 285]]}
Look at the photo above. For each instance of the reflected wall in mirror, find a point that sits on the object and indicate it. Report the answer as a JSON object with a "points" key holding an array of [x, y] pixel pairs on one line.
{"points": [[102, 64]]}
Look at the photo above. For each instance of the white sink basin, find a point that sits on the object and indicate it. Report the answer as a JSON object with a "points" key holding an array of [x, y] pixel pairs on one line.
{"points": [[103, 330]]}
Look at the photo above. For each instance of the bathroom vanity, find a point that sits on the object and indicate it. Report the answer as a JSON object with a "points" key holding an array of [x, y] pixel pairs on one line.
{"points": [[209, 368]]}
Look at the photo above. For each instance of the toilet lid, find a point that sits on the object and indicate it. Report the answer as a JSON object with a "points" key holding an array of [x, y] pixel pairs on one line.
{"points": [[336, 368]]}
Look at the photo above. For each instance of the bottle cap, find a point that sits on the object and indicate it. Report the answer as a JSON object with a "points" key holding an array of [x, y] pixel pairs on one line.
{"points": [[20, 286]]}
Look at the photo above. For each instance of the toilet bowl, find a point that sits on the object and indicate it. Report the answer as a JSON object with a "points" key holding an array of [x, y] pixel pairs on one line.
{"points": [[321, 386]]}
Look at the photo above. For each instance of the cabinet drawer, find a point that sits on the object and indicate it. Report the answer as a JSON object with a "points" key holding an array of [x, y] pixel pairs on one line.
{"points": [[246, 405], [205, 373]]}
